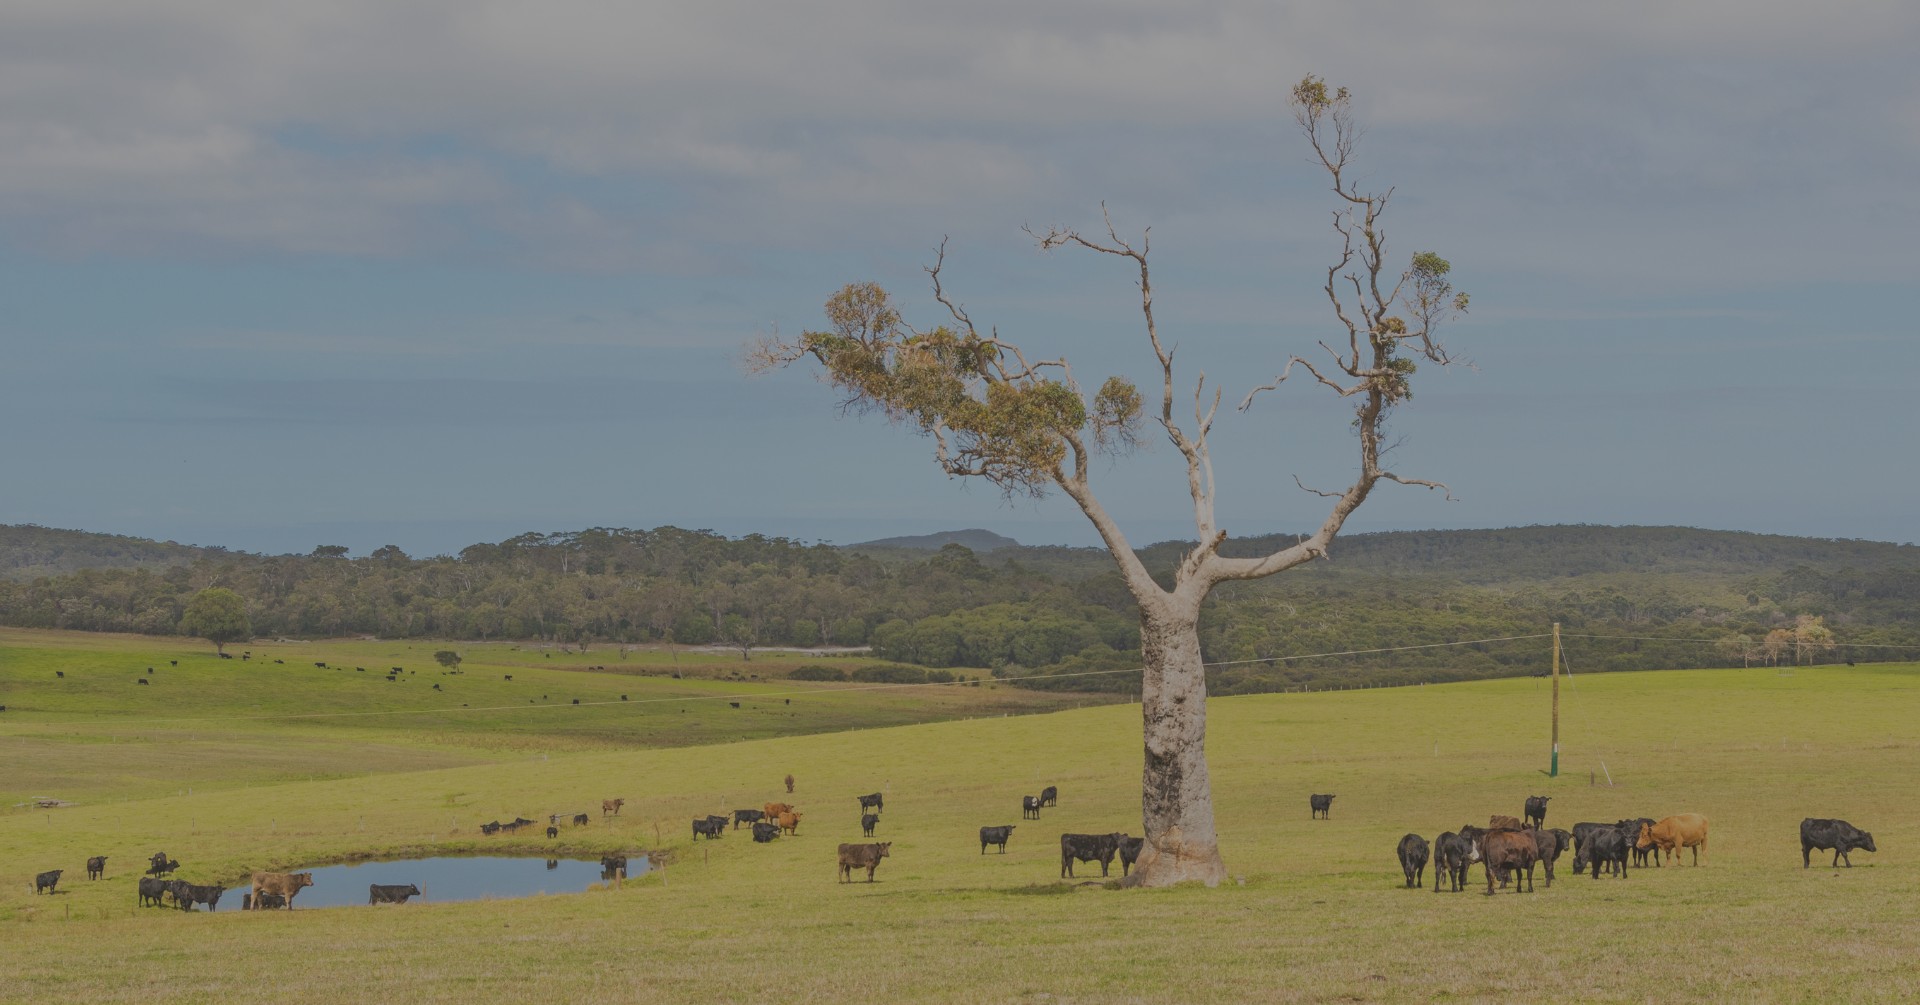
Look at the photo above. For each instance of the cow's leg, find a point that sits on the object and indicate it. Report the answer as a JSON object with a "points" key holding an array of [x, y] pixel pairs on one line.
{"points": [[1806, 855]]}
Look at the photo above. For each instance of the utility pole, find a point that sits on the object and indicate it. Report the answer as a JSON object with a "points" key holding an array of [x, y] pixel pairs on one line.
{"points": [[1554, 770]]}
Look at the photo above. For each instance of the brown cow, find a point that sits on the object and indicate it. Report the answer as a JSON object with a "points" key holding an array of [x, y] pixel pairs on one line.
{"points": [[789, 822], [285, 884], [853, 856], [611, 806], [773, 810], [1682, 830], [1499, 822], [789, 777], [1509, 850]]}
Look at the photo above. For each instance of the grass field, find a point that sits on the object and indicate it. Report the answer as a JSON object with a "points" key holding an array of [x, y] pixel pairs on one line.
{"points": [[1315, 912]]}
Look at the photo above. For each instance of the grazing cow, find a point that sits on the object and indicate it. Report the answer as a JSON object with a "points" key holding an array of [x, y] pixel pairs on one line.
{"points": [[189, 894], [747, 817], [1548, 845], [1099, 848], [1603, 845], [141, 680], [1029, 807], [1536, 811], [390, 894], [1050, 796], [1821, 833], [789, 777], [553, 832], [1413, 853], [97, 866], [789, 822], [322, 666], [44, 883], [732, 704], [764, 833], [1452, 853], [177, 662], [286, 884], [1509, 851], [867, 820], [705, 827], [995, 835], [1682, 830], [1502, 822], [1320, 807], [872, 802], [507, 676], [855, 856], [490, 828], [59, 673], [1130, 853], [773, 810], [152, 890]]}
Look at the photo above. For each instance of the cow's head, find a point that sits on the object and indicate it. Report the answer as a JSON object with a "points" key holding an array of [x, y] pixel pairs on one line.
{"points": [[1866, 842], [883, 846], [413, 891], [301, 879], [1473, 848], [1645, 839]]}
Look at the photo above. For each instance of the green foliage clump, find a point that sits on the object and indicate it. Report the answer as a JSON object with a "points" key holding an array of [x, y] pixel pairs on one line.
{"points": [[815, 671], [218, 615]]}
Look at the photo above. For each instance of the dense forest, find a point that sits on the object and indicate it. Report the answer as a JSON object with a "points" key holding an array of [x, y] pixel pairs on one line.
{"points": [[1627, 597]]}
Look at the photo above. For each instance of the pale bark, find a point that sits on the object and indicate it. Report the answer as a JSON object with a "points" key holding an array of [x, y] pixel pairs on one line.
{"points": [[1176, 804]]}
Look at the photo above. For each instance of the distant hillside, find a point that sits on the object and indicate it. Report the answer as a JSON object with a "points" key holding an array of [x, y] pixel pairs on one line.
{"points": [[28, 551], [980, 541]]}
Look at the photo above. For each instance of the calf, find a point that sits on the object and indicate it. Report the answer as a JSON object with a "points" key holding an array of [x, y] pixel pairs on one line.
{"points": [[1050, 796], [1413, 853], [1820, 833], [872, 802], [1029, 807], [45, 882], [162, 865], [747, 817], [995, 835], [264, 902], [705, 827], [1536, 811], [97, 866], [286, 884], [390, 894], [1509, 851], [854, 856], [1130, 853], [764, 833], [1452, 853], [1099, 848], [1682, 830], [867, 821], [1603, 845], [1319, 806], [189, 894], [789, 822]]}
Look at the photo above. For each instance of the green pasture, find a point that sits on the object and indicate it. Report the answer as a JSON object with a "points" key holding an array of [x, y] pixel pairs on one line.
{"points": [[1315, 910]]}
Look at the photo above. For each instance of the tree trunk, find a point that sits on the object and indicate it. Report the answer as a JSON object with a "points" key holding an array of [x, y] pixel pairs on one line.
{"points": [[1176, 804]]}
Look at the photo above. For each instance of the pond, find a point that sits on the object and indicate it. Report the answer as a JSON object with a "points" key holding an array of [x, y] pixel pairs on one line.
{"points": [[466, 877]]}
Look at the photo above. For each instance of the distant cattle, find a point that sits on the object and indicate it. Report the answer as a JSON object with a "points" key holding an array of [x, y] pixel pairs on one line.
{"points": [[160, 864], [177, 662], [1452, 853], [553, 832], [858, 856], [1682, 830], [189, 894], [1506, 852], [1549, 845], [1413, 852], [1099, 848], [789, 777], [872, 802], [97, 866], [1838, 835], [1050, 796], [705, 827], [322, 666], [612, 866], [1536, 811], [579, 819], [45, 882], [1029, 807], [1602, 845], [867, 822], [152, 890], [1320, 806], [773, 810], [747, 817], [378, 893], [264, 902], [490, 828], [518, 822], [1130, 853], [507, 676], [765, 832], [789, 822], [995, 835], [286, 884], [140, 680], [731, 704], [1502, 822]]}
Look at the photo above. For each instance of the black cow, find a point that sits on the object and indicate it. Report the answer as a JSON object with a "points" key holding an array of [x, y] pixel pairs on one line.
{"points": [[747, 817], [764, 833], [995, 835], [141, 680], [579, 819], [1604, 845], [1320, 806], [1536, 813], [1050, 796], [491, 827], [1029, 807], [152, 890], [189, 894], [96, 866], [161, 864], [706, 826], [1549, 845], [1632, 829], [872, 802], [1839, 835], [1130, 853], [1413, 853], [553, 832], [1452, 853], [264, 902], [612, 866], [867, 820], [390, 894], [1099, 848], [44, 883]]}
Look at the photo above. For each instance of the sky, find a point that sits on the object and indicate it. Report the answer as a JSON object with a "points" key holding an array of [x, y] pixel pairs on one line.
{"points": [[277, 275]]}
